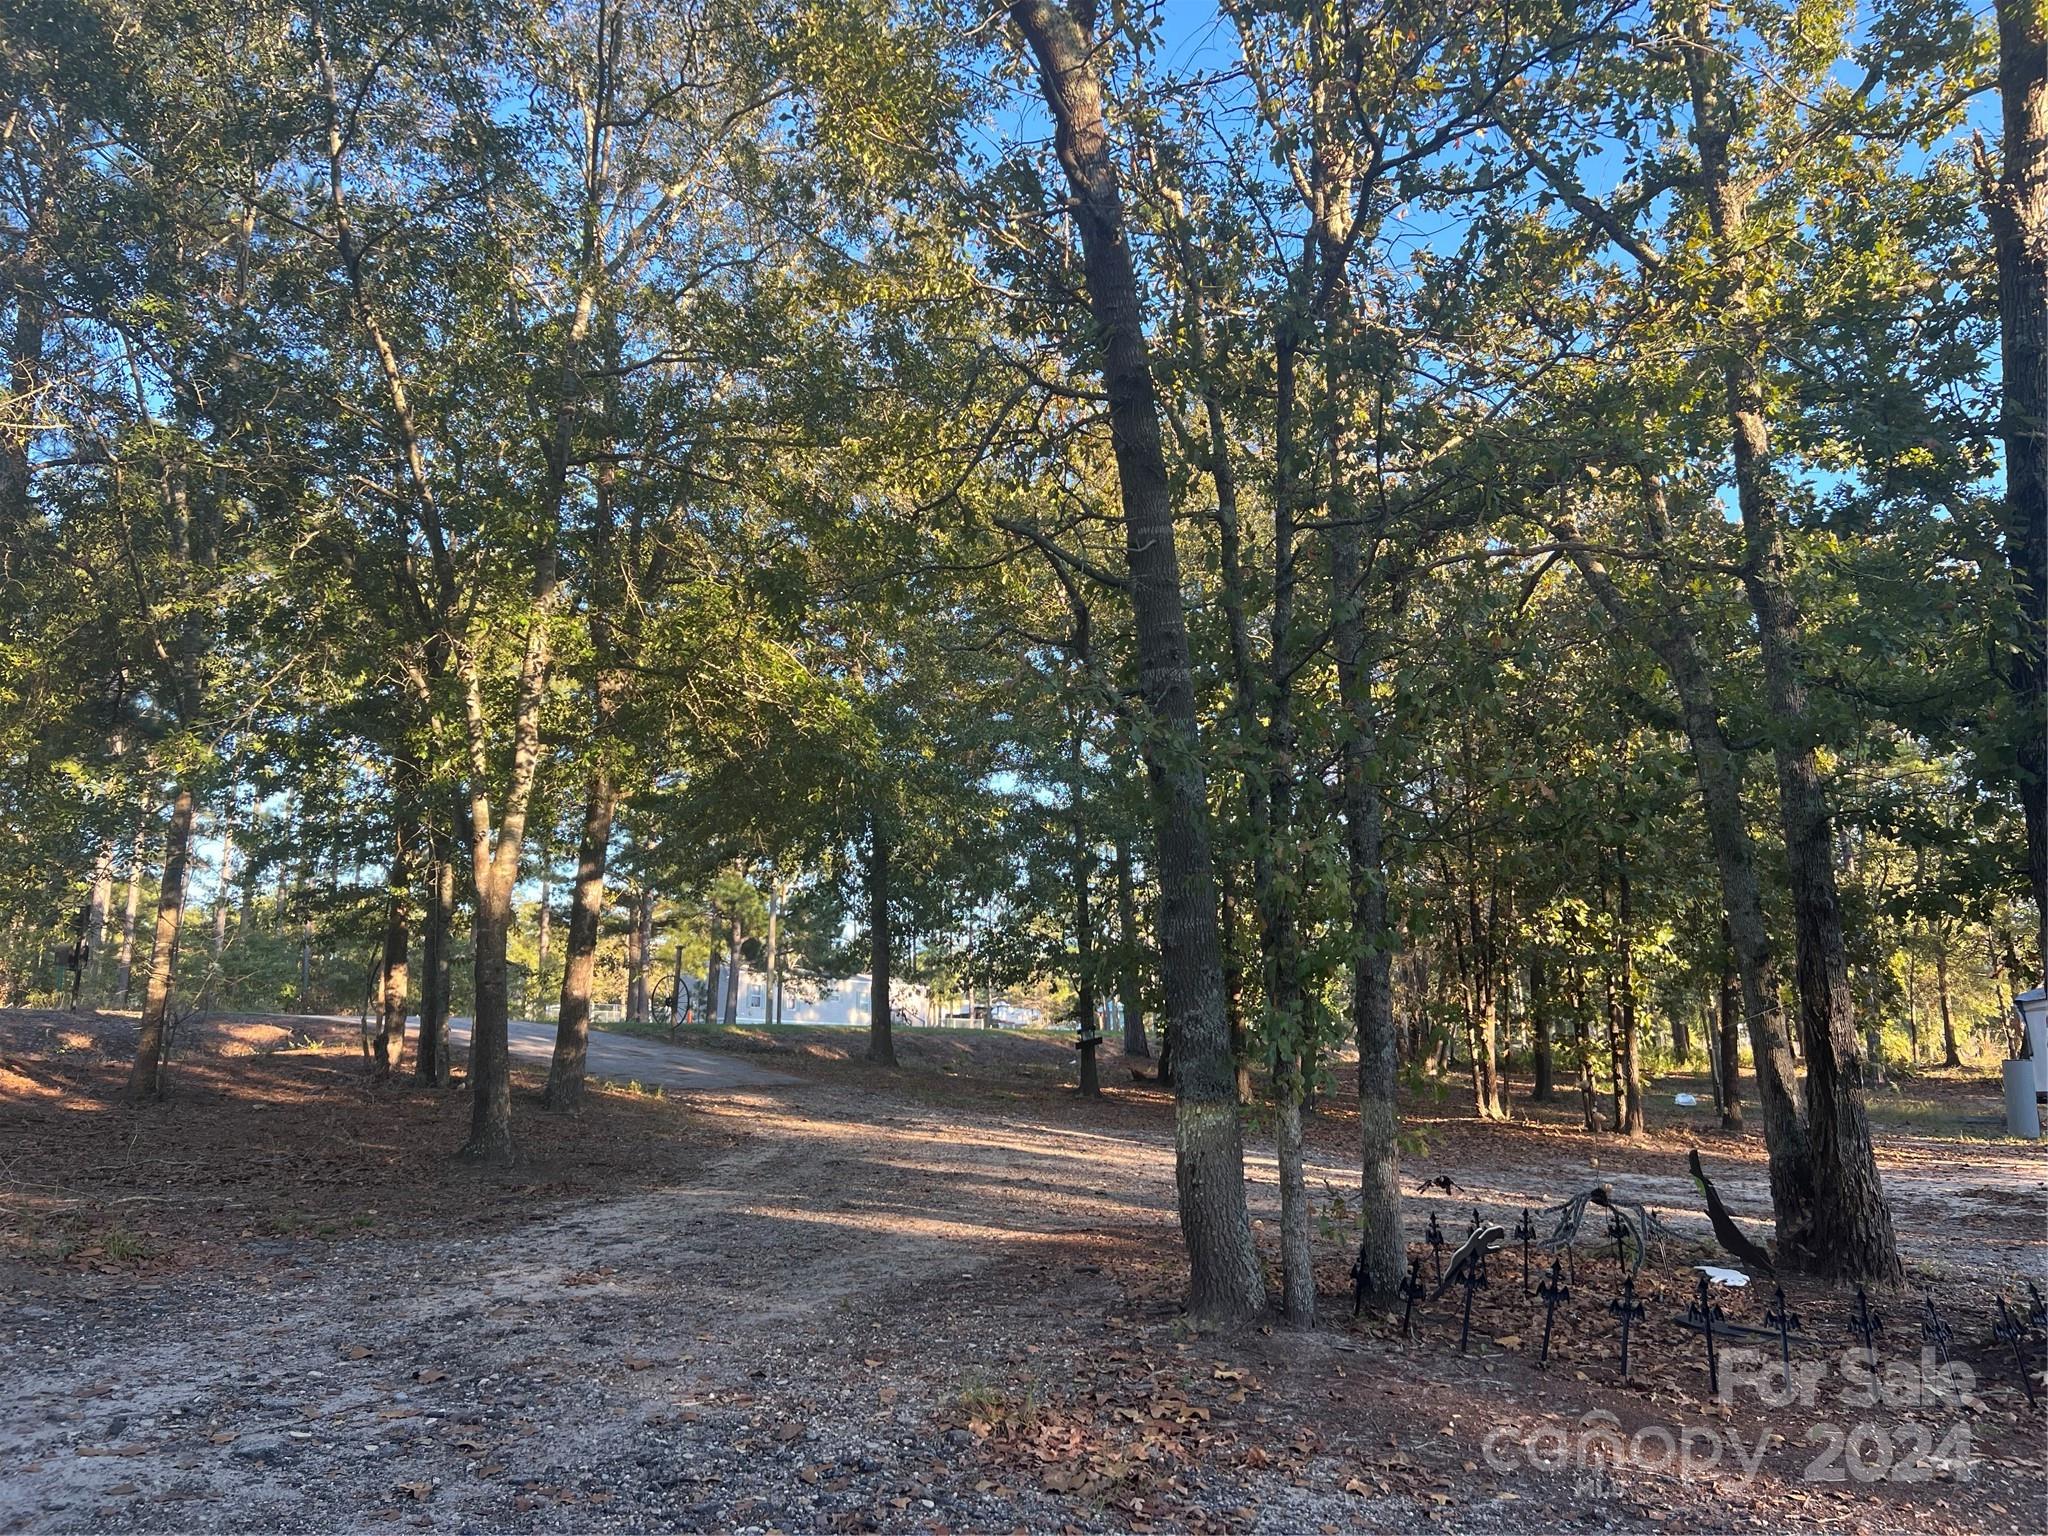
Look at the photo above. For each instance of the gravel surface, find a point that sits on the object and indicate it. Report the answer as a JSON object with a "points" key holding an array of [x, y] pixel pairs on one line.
{"points": [[861, 1313]]}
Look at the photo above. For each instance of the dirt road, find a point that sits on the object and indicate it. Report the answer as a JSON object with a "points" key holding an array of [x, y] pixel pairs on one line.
{"points": [[626, 1058], [856, 1308]]}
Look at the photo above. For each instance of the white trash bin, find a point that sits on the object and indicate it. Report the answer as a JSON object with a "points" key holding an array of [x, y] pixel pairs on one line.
{"points": [[2022, 1110]]}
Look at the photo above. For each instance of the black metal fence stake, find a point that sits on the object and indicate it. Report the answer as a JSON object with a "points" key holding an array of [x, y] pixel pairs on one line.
{"points": [[1553, 1292], [1934, 1328], [1435, 1238], [1703, 1314], [1630, 1311], [1473, 1279], [1786, 1321], [1359, 1280], [2013, 1333], [1525, 1234], [1618, 1230], [1411, 1287]]}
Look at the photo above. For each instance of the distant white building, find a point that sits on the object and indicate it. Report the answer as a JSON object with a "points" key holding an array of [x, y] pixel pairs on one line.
{"points": [[845, 1003]]}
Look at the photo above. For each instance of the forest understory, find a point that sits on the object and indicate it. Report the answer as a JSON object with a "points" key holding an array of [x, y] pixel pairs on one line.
{"points": [[945, 1299]]}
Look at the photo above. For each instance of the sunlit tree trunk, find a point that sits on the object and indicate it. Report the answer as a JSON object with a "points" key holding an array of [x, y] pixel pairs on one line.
{"points": [[430, 1060], [566, 1070], [400, 885], [131, 909], [1582, 1051], [145, 1078], [1226, 1283], [1950, 1055], [1851, 1231], [881, 1023], [1627, 1064]]}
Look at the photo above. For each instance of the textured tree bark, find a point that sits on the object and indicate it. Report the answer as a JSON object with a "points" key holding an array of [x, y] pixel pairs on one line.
{"points": [[494, 853], [1950, 1056], [1130, 996], [1272, 866], [1729, 1079], [1627, 1065], [772, 1010], [735, 966], [640, 957], [97, 908], [1383, 1248], [430, 1060], [1226, 1283], [1086, 1031], [544, 939], [567, 1068], [1539, 1030], [2016, 207], [1582, 1050], [394, 980], [881, 1022], [1244, 705], [131, 909], [1851, 1230], [145, 1077], [1084, 963], [716, 981], [1297, 1253]]}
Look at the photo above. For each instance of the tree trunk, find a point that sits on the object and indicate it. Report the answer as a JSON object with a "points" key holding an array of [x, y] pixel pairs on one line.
{"points": [[1383, 1248], [1582, 1048], [1950, 1056], [566, 1070], [1086, 1032], [1130, 997], [131, 909], [1225, 1283], [1273, 872], [1628, 1064], [1297, 1253], [430, 1060], [145, 1078], [1539, 1031], [771, 1011], [394, 981], [490, 1073], [646, 1014], [2016, 207], [735, 966], [543, 940], [639, 937], [1851, 1232], [224, 885], [1729, 1082], [717, 980], [97, 909], [1718, 771], [881, 1022]]}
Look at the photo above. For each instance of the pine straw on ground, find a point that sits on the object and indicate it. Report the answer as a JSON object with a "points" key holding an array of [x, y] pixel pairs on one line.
{"points": [[268, 1132]]}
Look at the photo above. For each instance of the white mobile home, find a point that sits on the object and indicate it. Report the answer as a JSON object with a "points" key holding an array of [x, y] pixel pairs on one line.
{"points": [[845, 1002]]}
